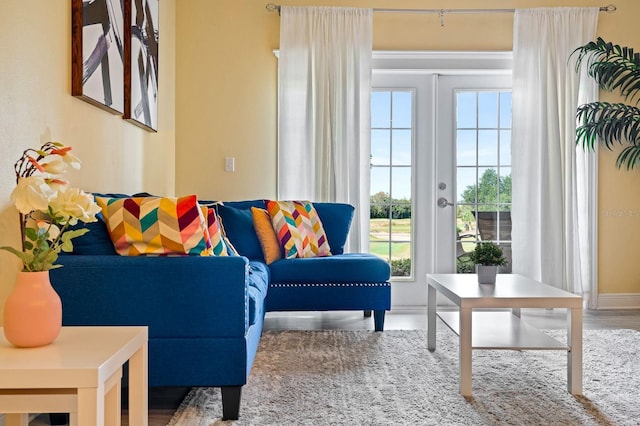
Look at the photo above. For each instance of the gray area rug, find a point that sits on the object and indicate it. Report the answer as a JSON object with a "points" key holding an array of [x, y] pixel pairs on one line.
{"points": [[390, 378]]}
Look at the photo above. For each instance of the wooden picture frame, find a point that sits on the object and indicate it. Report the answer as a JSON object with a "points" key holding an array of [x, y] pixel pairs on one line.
{"points": [[97, 53], [141, 63]]}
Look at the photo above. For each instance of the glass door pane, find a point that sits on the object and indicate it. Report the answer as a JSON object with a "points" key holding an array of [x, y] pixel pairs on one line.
{"points": [[392, 131]]}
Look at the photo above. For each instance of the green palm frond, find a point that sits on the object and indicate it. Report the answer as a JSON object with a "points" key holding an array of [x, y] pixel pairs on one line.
{"points": [[629, 157], [609, 123], [613, 67]]}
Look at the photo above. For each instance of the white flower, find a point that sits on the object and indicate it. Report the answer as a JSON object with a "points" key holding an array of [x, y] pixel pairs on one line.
{"points": [[72, 160], [31, 193], [54, 164], [74, 204]]}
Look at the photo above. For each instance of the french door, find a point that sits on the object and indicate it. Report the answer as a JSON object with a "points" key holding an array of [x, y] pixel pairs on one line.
{"points": [[421, 166]]}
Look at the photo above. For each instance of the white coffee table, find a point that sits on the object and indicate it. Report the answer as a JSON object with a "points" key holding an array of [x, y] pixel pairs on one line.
{"points": [[503, 330], [79, 373]]}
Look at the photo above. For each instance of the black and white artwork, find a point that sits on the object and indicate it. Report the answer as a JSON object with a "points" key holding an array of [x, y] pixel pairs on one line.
{"points": [[98, 43], [141, 63]]}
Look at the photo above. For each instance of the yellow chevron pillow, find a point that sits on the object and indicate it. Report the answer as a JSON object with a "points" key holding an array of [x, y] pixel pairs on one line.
{"points": [[156, 226], [299, 229]]}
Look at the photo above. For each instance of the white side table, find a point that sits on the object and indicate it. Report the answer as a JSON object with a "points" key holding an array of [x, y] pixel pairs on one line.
{"points": [[79, 373]]}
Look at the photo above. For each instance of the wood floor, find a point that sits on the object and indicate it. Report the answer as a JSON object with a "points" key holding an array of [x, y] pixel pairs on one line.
{"points": [[164, 401]]}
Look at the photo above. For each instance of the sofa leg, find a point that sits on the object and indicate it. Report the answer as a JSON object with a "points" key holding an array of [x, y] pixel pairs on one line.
{"points": [[231, 402], [378, 320], [367, 313]]}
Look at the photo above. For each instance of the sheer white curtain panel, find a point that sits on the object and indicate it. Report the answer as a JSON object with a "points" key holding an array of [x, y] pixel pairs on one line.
{"points": [[554, 181], [324, 84]]}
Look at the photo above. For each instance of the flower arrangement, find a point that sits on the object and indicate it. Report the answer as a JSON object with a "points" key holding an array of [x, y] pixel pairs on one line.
{"points": [[48, 206]]}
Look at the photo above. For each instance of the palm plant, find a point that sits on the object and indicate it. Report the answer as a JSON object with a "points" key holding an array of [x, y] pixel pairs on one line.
{"points": [[614, 68]]}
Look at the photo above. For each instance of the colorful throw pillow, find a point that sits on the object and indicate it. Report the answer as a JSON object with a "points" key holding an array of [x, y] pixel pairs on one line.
{"points": [[298, 229], [216, 239], [156, 226], [266, 235]]}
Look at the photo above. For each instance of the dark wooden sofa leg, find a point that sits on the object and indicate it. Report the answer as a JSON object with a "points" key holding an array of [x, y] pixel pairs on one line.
{"points": [[367, 313], [231, 402], [58, 418], [378, 320]]}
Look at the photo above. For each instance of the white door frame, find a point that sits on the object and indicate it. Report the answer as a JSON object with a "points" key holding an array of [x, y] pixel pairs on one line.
{"points": [[421, 70]]}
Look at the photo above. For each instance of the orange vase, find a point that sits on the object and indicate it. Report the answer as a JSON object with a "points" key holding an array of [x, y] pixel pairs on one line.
{"points": [[33, 311]]}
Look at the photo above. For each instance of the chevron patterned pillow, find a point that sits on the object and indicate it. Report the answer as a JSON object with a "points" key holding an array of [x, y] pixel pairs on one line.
{"points": [[299, 229], [217, 243], [156, 226]]}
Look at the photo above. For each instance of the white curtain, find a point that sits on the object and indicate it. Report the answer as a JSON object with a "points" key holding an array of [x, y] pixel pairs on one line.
{"points": [[554, 199], [324, 84]]}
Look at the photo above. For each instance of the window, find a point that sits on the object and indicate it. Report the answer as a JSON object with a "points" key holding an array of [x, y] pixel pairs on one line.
{"points": [[483, 169], [391, 168]]}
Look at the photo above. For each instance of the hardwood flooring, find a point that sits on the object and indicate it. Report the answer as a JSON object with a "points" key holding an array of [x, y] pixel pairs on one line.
{"points": [[164, 401]]}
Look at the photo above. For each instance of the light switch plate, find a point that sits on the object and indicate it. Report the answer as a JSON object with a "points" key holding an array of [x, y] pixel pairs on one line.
{"points": [[229, 164]]}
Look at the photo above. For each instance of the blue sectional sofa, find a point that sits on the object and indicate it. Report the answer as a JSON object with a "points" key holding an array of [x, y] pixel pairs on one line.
{"points": [[205, 314]]}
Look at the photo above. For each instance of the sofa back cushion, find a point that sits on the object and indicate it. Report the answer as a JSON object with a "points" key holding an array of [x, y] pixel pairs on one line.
{"points": [[96, 242], [336, 219], [237, 222]]}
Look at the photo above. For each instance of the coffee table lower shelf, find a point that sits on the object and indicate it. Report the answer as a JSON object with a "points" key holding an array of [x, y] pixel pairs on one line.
{"points": [[502, 330]]}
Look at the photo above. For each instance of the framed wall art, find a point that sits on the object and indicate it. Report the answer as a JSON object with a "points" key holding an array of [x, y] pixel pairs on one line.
{"points": [[141, 63], [97, 53]]}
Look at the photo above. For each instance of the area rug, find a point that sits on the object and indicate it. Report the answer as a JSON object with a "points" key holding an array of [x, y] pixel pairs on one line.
{"points": [[390, 378]]}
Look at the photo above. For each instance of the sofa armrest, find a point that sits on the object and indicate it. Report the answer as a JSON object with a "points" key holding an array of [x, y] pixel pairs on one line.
{"points": [[179, 297]]}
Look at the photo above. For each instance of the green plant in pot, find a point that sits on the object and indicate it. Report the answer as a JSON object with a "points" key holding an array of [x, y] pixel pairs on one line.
{"points": [[487, 257], [616, 69]]}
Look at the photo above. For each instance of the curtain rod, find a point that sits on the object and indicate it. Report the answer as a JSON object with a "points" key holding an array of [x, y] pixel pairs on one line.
{"points": [[609, 9]]}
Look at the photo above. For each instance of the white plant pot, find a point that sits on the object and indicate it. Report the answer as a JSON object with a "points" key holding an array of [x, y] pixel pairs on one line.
{"points": [[487, 274]]}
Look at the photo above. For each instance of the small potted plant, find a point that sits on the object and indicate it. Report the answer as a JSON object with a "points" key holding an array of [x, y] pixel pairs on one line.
{"points": [[487, 256]]}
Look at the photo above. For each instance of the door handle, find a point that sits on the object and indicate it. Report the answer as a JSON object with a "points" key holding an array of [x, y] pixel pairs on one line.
{"points": [[443, 202]]}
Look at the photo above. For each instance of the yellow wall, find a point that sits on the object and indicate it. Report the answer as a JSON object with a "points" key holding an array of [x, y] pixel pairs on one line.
{"points": [[36, 106], [227, 93]]}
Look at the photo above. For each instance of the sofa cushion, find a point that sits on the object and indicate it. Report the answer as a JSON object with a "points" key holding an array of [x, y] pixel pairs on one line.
{"points": [[258, 279], [336, 219], [96, 242], [238, 228], [299, 229], [343, 268], [153, 225]]}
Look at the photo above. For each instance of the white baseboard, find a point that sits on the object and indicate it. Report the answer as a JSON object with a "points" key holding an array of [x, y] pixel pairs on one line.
{"points": [[619, 301]]}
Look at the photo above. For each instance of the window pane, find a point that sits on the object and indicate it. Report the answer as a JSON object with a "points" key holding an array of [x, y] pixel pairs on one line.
{"points": [[380, 180], [505, 185], [505, 147], [401, 183], [487, 186], [466, 110], [401, 148], [380, 147], [466, 179], [402, 110], [380, 109], [401, 228], [401, 259], [379, 248], [466, 147], [488, 110], [505, 110], [487, 147]]}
